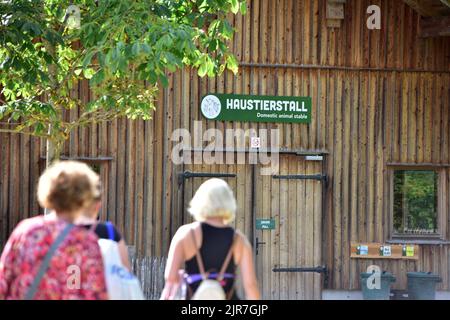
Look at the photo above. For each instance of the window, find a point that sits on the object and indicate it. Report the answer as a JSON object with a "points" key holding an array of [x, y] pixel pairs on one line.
{"points": [[416, 203]]}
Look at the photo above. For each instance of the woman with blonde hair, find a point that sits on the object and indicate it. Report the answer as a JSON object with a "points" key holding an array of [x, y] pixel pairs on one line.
{"points": [[209, 247], [48, 257]]}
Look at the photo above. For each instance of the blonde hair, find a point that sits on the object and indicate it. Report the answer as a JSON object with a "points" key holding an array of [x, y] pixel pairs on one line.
{"points": [[68, 186], [214, 199]]}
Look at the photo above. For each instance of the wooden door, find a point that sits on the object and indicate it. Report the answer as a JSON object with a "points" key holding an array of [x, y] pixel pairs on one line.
{"points": [[240, 179], [293, 199]]}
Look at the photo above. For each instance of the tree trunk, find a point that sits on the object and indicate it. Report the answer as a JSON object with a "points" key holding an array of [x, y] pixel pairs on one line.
{"points": [[53, 151]]}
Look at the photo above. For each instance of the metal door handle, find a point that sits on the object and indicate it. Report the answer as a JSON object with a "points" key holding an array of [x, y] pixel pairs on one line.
{"points": [[257, 245]]}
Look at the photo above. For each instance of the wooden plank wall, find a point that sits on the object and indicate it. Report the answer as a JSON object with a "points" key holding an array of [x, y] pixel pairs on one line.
{"points": [[379, 96]]}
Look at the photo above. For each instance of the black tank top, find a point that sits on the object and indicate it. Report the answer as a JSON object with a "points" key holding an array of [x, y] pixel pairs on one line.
{"points": [[216, 243]]}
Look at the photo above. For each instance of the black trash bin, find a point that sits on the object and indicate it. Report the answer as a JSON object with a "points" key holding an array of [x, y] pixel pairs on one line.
{"points": [[382, 293], [422, 285]]}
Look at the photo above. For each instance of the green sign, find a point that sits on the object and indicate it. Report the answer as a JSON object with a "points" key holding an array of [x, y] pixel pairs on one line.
{"points": [[265, 224], [232, 107]]}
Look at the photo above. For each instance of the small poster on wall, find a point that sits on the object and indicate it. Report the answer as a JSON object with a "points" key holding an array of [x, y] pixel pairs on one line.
{"points": [[385, 251], [408, 251], [362, 250]]}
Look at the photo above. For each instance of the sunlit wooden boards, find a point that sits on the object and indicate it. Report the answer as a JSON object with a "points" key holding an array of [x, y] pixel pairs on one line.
{"points": [[379, 97], [335, 13]]}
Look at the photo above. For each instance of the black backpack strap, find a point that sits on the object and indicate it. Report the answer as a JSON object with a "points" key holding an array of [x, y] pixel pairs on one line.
{"points": [[227, 259], [200, 264]]}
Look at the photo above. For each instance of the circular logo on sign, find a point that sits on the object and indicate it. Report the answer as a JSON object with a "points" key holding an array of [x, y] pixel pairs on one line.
{"points": [[211, 107]]}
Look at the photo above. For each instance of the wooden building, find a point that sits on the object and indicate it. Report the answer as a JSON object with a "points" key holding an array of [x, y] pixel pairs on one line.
{"points": [[380, 105]]}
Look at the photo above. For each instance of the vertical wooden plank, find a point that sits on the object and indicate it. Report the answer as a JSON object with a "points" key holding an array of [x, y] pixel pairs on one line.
{"points": [[139, 231], [260, 235], [412, 120], [89, 133], [353, 189], [306, 31], [337, 182], [288, 31], [292, 216], [371, 155], [428, 118], [345, 186], [436, 119], [404, 121], [14, 187], [380, 123], [391, 35], [112, 128], [130, 180], [315, 114], [444, 156], [308, 238], [149, 183], [268, 262], [121, 213], [273, 31], [400, 33], [34, 176], [167, 165], [420, 119], [263, 29], [24, 163], [317, 230], [275, 237], [284, 229], [287, 126], [362, 173], [329, 244], [253, 32], [322, 109], [388, 143], [300, 223], [158, 176], [315, 32], [297, 46], [407, 37], [4, 184]]}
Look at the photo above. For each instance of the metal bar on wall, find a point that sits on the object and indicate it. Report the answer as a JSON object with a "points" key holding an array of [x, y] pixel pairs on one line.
{"points": [[337, 68]]}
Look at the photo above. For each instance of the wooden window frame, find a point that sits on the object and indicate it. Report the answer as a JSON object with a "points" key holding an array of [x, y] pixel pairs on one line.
{"points": [[442, 200]]}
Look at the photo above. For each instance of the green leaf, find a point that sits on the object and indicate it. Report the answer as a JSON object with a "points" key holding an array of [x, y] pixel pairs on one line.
{"points": [[15, 116], [152, 77], [203, 69], [88, 73], [39, 128], [243, 7], [164, 80], [97, 78], [136, 49], [234, 6], [232, 64], [87, 59]]}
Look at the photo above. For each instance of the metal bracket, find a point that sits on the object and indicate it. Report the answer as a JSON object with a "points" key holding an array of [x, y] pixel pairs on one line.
{"points": [[321, 269], [189, 174], [320, 177]]}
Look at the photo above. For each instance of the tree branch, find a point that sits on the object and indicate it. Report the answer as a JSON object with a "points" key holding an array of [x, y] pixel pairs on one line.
{"points": [[24, 132]]}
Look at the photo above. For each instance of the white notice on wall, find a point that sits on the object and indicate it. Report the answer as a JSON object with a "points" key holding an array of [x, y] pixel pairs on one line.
{"points": [[255, 142], [387, 252]]}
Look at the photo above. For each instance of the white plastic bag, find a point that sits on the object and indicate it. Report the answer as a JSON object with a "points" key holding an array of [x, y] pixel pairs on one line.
{"points": [[121, 284]]}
